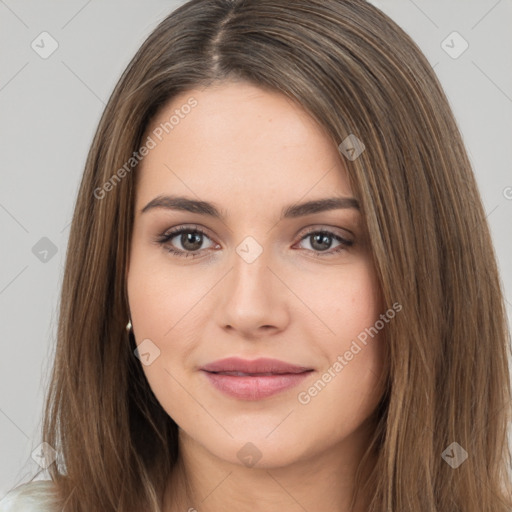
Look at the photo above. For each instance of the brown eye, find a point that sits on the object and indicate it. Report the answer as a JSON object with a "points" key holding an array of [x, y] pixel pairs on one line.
{"points": [[190, 239], [321, 241]]}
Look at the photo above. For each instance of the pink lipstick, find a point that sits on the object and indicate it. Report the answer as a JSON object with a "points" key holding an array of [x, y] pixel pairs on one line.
{"points": [[256, 379]]}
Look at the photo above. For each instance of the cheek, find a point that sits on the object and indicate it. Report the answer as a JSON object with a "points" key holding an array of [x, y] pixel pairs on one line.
{"points": [[160, 295], [360, 331], [346, 300], [353, 349], [164, 309]]}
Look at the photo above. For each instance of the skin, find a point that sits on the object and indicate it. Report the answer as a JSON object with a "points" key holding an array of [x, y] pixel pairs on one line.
{"points": [[252, 152]]}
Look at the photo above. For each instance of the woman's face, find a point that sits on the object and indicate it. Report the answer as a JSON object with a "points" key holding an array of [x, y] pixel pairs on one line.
{"points": [[259, 281]]}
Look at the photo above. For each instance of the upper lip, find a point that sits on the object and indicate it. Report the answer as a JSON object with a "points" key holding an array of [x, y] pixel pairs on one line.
{"points": [[261, 365]]}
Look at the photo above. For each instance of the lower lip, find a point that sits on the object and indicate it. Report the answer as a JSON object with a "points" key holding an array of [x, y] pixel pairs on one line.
{"points": [[256, 387]]}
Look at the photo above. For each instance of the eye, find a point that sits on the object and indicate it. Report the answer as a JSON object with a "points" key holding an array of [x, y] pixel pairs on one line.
{"points": [[190, 239], [320, 241]]}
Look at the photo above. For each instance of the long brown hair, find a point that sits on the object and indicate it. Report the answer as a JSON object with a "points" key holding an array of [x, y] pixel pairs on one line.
{"points": [[356, 72]]}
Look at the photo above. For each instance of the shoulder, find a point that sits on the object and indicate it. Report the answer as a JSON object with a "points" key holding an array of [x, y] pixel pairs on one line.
{"points": [[35, 496]]}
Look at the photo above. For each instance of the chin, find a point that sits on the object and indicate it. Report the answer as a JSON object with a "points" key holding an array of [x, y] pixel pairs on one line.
{"points": [[259, 452]]}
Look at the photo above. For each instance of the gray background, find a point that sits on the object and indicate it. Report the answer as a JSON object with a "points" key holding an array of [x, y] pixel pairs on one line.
{"points": [[49, 111]]}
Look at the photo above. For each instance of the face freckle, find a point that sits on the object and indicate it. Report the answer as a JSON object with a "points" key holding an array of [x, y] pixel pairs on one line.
{"points": [[252, 153]]}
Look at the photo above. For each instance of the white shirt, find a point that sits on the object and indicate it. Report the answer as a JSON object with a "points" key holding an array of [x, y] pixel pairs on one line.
{"points": [[35, 496]]}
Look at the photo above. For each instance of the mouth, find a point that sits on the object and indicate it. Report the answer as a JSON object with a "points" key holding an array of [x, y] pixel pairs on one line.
{"points": [[254, 386]]}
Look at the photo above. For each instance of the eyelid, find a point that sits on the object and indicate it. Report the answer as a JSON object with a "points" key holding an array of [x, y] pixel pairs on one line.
{"points": [[182, 227], [318, 228]]}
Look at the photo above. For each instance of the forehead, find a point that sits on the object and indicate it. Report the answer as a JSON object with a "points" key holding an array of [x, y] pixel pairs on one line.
{"points": [[238, 139]]}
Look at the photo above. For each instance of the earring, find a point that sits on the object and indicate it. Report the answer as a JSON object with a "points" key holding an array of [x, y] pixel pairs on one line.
{"points": [[129, 326]]}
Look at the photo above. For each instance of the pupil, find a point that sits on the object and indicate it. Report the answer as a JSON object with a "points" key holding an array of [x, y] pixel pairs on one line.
{"points": [[188, 240], [322, 238]]}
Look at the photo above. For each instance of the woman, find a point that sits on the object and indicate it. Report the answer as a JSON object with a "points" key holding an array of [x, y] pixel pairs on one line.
{"points": [[280, 289]]}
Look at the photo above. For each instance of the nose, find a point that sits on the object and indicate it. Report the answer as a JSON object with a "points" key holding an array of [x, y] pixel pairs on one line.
{"points": [[254, 301]]}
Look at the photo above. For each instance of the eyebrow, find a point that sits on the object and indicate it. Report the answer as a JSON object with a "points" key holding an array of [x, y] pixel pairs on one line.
{"points": [[182, 203]]}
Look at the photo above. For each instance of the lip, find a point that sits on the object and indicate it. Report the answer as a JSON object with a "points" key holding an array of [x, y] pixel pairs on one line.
{"points": [[259, 384], [261, 365]]}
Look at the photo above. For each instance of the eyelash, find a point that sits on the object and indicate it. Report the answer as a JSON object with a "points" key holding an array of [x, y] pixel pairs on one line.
{"points": [[163, 239]]}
